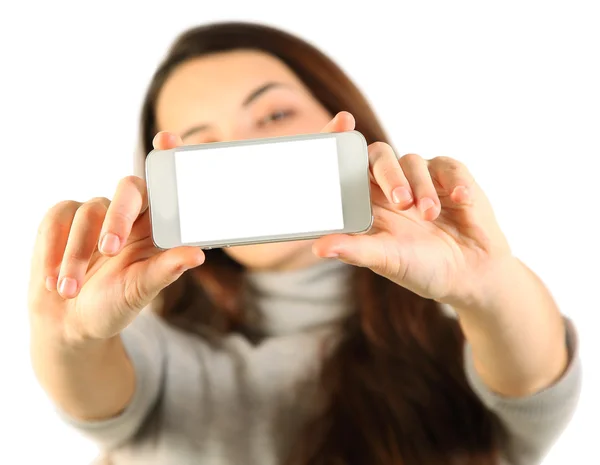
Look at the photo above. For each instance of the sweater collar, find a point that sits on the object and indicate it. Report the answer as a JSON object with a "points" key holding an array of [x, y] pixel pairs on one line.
{"points": [[280, 303]]}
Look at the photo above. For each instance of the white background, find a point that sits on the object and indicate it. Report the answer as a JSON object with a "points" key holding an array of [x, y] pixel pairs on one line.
{"points": [[511, 89]]}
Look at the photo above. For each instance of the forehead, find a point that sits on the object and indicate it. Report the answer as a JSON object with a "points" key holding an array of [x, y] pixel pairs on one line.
{"points": [[219, 80]]}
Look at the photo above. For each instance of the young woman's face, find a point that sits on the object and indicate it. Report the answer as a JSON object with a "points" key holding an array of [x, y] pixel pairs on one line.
{"points": [[235, 95]]}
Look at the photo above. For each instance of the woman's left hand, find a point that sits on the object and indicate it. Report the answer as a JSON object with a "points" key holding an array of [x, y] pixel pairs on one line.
{"points": [[434, 231]]}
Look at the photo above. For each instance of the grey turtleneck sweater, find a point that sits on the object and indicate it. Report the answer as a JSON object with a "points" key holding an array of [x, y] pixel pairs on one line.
{"points": [[229, 401]]}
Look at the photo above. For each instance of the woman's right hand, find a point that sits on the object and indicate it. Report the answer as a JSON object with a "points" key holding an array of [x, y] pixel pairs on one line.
{"points": [[95, 266]]}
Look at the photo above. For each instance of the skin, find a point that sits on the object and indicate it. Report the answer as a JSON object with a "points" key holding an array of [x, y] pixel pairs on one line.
{"points": [[95, 267]]}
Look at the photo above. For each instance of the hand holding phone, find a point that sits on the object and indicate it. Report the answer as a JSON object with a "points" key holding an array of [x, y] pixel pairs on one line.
{"points": [[95, 266], [260, 190]]}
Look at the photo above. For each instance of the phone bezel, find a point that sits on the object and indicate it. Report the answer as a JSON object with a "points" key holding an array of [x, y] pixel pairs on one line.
{"points": [[353, 164]]}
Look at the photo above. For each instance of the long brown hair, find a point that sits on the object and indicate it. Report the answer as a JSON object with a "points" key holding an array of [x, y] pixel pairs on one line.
{"points": [[395, 385]]}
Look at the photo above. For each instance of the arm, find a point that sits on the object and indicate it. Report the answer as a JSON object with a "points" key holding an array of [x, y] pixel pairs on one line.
{"points": [[94, 269], [516, 331], [521, 359], [435, 233], [93, 381], [106, 391]]}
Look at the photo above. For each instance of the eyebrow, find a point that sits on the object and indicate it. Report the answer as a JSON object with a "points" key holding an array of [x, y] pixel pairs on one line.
{"points": [[261, 90], [252, 97]]}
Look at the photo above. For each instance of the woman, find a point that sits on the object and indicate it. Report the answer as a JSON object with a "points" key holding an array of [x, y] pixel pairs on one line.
{"points": [[423, 342]]}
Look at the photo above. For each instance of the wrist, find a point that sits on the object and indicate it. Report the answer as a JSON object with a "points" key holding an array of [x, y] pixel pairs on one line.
{"points": [[62, 342], [489, 286]]}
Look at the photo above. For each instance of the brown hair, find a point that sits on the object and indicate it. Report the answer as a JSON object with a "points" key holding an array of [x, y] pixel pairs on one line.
{"points": [[395, 385]]}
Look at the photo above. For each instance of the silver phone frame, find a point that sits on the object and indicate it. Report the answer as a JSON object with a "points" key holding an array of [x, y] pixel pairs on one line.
{"points": [[355, 183]]}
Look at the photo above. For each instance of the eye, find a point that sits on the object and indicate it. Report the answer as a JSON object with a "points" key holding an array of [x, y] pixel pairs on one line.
{"points": [[275, 117]]}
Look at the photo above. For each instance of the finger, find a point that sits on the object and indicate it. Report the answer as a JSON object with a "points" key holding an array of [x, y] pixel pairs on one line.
{"points": [[454, 179], [389, 176], [129, 202], [341, 122], [52, 239], [165, 140], [361, 250], [161, 270], [81, 244], [426, 198]]}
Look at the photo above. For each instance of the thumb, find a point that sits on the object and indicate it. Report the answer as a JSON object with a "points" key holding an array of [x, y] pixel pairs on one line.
{"points": [[158, 272], [341, 122], [359, 250]]}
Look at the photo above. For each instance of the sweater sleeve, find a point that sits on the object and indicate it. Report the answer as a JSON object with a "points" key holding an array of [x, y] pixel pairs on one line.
{"points": [[144, 344], [529, 426]]}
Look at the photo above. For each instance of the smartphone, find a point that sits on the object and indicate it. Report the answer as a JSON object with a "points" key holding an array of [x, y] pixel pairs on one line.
{"points": [[255, 191]]}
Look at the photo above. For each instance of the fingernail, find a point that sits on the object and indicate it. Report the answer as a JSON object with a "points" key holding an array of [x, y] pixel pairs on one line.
{"points": [[50, 283], [425, 204], [110, 243], [68, 287], [460, 194], [332, 255], [401, 194]]}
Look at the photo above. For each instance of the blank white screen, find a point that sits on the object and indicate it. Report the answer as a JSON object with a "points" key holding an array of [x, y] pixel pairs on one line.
{"points": [[258, 190]]}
